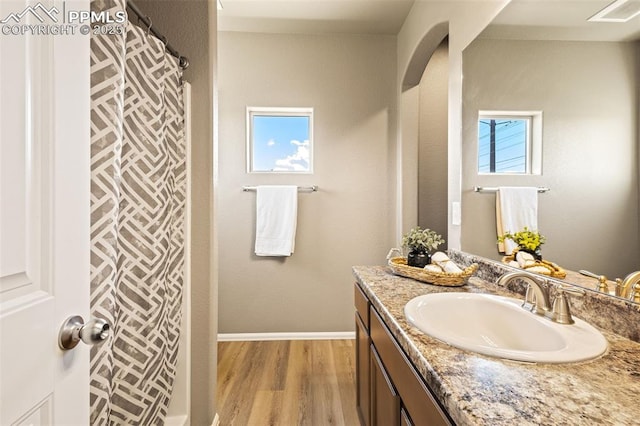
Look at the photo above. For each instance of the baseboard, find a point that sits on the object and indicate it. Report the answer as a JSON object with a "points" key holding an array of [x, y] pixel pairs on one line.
{"points": [[330, 335], [216, 421]]}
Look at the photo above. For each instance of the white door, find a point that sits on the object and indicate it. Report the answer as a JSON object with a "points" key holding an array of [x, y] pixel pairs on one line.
{"points": [[44, 215]]}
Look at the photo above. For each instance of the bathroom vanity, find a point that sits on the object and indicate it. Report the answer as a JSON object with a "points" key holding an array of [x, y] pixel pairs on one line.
{"points": [[405, 377], [403, 400]]}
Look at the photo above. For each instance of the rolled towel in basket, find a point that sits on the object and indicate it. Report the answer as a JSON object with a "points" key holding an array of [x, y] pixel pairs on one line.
{"points": [[442, 260], [432, 267]]}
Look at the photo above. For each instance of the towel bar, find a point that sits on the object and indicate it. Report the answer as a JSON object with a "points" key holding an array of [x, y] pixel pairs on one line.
{"points": [[495, 189], [313, 188]]}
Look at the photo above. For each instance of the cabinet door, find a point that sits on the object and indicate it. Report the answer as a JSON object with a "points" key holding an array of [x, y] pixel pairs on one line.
{"points": [[417, 398], [405, 420], [363, 392], [385, 402]]}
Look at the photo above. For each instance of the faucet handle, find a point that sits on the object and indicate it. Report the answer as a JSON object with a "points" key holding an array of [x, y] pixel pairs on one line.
{"points": [[602, 280], [619, 287], [561, 312], [634, 294], [602, 284]]}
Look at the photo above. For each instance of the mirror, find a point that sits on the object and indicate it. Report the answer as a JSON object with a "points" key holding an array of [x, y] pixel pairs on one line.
{"points": [[585, 78]]}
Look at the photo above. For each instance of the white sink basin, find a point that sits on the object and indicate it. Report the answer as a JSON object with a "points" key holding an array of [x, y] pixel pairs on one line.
{"points": [[499, 327]]}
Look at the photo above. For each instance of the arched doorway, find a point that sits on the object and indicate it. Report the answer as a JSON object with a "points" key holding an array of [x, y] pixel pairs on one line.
{"points": [[423, 133]]}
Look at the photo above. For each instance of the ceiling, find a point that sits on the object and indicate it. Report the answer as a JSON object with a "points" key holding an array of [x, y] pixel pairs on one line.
{"points": [[561, 20], [314, 16], [521, 19]]}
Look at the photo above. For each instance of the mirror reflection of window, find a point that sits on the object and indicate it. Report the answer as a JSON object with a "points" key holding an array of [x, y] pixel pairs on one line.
{"points": [[279, 140], [503, 145], [508, 144]]}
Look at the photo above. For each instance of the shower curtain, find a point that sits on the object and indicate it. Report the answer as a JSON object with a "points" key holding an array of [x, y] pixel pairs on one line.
{"points": [[138, 190]]}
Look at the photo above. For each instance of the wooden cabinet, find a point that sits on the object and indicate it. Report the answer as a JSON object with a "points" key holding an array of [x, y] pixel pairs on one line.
{"points": [[390, 392], [385, 402], [404, 418], [362, 358]]}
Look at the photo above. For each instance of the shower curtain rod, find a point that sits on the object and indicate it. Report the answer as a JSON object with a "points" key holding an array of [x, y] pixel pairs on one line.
{"points": [[182, 60]]}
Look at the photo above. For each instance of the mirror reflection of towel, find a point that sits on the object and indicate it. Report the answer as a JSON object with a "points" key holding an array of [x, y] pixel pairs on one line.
{"points": [[516, 207], [276, 219]]}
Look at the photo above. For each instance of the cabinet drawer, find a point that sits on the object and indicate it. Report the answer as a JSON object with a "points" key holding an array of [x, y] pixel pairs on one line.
{"points": [[416, 397], [362, 305]]}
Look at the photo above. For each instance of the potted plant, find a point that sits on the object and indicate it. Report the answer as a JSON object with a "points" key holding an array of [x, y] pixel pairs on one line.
{"points": [[527, 240], [421, 243]]}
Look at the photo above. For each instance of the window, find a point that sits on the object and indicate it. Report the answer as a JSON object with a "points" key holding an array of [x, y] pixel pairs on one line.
{"points": [[509, 142], [279, 140]]}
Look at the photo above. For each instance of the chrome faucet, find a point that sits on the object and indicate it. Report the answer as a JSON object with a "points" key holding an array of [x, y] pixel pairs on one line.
{"points": [[537, 296], [540, 300], [630, 287]]}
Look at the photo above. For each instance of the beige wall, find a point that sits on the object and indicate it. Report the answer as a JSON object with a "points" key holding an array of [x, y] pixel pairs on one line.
{"points": [[588, 95], [350, 83], [433, 143], [425, 27], [190, 26]]}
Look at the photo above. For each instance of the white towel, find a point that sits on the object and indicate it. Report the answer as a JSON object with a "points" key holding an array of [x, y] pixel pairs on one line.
{"points": [[516, 207], [276, 220]]}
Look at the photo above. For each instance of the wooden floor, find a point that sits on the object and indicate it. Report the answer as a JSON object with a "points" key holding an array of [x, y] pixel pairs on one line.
{"points": [[287, 383]]}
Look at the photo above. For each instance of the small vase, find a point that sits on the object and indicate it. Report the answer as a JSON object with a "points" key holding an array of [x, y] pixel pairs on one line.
{"points": [[537, 253], [418, 259]]}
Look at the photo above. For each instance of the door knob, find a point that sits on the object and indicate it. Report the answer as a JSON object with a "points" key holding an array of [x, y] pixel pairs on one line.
{"points": [[74, 330]]}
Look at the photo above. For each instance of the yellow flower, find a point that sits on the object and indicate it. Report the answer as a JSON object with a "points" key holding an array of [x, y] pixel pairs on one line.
{"points": [[526, 238]]}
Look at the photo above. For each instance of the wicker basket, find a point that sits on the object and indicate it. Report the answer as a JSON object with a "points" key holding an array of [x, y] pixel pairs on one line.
{"points": [[398, 266], [551, 269]]}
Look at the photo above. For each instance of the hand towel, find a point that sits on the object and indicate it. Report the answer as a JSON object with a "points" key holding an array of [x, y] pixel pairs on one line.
{"points": [[516, 207], [276, 219]]}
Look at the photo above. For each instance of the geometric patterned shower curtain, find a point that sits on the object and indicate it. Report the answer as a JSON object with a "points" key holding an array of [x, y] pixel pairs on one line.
{"points": [[138, 190]]}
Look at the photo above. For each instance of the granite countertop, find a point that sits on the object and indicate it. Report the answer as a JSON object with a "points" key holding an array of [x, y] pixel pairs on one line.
{"points": [[588, 282], [480, 390]]}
